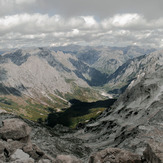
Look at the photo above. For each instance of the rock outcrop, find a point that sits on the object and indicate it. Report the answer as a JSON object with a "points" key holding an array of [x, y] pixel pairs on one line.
{"points": [[15, 129], [114, 155], [67, 159], [15, 143], [153, 154], [133, 123]]}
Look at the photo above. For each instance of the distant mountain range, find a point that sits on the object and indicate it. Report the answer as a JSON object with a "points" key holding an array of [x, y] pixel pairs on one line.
{"points": [[107, 60], [134, 68], [32, 80], [104, 59]]}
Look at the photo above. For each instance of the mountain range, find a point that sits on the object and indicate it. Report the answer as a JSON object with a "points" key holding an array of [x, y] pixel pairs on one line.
{"points": [[129, 130], [35, 79], [103, 58], [45, 78]]}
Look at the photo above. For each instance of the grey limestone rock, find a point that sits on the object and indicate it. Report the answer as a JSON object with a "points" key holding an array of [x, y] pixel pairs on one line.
{"points": [[114, 155], [16, 146], [153, 153], [67, 159], [15, 129], [19, 156]]}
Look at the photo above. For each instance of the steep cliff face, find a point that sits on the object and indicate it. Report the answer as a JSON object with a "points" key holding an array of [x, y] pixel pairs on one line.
{"points": [[134, 122]]}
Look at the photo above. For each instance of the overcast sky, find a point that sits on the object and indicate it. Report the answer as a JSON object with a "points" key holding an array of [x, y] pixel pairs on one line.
{"points": [[83, 22]]}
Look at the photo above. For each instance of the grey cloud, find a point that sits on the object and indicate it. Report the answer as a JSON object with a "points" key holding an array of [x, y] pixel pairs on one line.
{"points": [[43, 30], [61, 22], [100, 9], [103, 8]]}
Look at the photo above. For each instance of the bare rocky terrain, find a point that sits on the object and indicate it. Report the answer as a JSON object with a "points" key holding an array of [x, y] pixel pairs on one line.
{"points": [[130, 131], [134, 122]]}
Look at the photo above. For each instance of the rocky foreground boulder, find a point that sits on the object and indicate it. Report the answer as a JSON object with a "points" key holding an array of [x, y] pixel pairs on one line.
{"points": [[15, 129], [16, 145], [114, 155]]}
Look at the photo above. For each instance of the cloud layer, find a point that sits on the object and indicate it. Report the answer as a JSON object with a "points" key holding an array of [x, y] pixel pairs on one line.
{"points": [[22, 25]]}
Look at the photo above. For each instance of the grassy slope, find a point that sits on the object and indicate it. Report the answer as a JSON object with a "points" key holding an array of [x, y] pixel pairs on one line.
{"points": [[26, 108], [78, 112], [34, 109]]}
